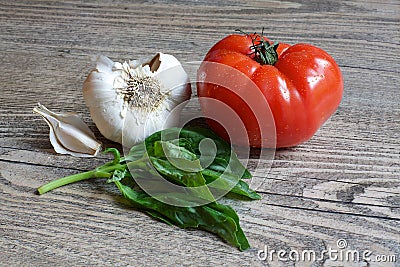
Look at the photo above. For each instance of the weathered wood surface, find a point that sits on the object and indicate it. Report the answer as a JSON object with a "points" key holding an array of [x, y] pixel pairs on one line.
{"points": [[342, 184]]}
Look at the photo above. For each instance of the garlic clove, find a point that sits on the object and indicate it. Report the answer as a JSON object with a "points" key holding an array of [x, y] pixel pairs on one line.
{"points": [[69, 134], [104, 64], [174, 77], [105, 108], [161, 62]]}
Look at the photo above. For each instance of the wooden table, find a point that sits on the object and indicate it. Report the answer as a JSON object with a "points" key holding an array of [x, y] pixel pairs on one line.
{"points": [[342, 184]]}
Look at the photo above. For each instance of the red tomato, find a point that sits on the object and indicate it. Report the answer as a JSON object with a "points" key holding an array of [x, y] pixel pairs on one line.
{"points": [[301, 85]]}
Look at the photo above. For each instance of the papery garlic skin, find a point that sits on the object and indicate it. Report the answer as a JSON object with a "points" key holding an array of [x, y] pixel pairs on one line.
{"points": [[69, 134], [129, 101]]}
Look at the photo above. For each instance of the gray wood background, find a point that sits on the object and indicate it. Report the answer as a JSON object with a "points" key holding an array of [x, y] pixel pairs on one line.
{"points": [[342, 184]]}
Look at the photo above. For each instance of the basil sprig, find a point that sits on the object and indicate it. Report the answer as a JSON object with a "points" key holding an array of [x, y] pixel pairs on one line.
{"points": [[176, 155]]}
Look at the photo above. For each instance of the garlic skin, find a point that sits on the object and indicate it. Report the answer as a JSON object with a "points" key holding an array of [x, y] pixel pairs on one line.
{"points": [[129, 101], [69, 134]]}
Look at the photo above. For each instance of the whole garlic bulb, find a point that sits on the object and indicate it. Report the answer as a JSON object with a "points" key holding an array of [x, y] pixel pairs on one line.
{"points": [[129, 101]]}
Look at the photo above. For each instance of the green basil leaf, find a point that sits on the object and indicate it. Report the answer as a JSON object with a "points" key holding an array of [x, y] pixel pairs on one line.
{"points": [[179, 157], [243, 189], [189, 140], [224, 156], [196, 135], [216, 218], [183, 178], [159, 217], [167, 170], [183, 142], [235, 167], [242, 241], [169, 149], [229, 180], [167, 134], [135, 153]]}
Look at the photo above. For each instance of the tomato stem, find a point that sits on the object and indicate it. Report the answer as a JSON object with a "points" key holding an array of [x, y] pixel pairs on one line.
{"points": [[263, 51]]}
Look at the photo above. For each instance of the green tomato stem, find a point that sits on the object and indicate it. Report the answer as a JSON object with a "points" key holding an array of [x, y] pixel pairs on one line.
{"points": [[263, 51]]}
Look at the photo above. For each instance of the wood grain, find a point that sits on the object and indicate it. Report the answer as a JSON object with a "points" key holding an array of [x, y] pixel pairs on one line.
{"points": [[342, 184]]}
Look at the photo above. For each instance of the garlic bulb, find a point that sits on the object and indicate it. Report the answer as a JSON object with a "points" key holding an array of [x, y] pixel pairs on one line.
{"points": [[129, 101], [69, 134]]}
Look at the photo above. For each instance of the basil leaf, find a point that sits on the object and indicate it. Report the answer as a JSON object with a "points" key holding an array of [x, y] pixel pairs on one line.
{"points": [[238, 167], [196, 135], [183, 142], [227, 180], [235, 167], [243, 189], [169, 149], [135, 153], [216, 218], [241, 239], [178, 156], [159, 217], [224, 155], [167, 134], [183, 178]]}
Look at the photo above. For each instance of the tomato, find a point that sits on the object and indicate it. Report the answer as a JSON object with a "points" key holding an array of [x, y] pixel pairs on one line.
{"points": [[300, 85]]}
